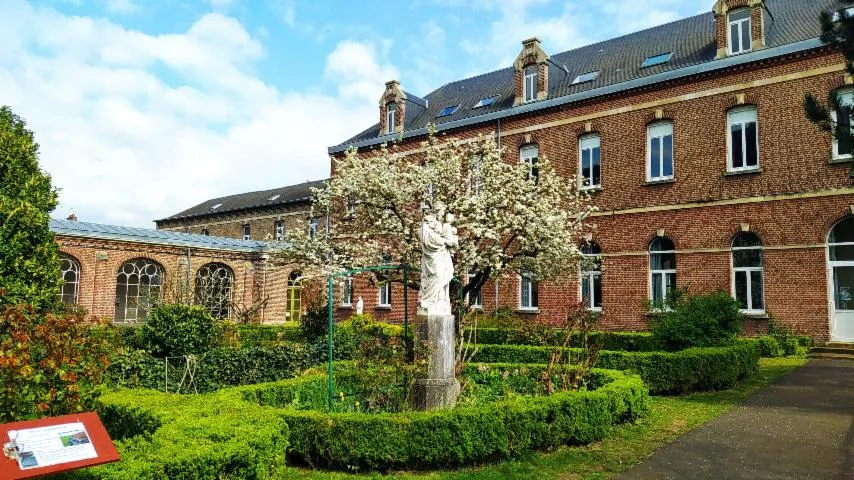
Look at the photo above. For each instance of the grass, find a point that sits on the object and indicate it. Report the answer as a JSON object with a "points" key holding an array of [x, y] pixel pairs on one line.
{"points": [[626, 446]]}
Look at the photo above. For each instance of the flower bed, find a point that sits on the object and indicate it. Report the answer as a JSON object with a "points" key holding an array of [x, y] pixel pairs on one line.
{"points": [[691, 369]]}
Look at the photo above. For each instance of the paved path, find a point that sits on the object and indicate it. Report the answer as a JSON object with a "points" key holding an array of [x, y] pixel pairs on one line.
{"points": [[799, 427]]}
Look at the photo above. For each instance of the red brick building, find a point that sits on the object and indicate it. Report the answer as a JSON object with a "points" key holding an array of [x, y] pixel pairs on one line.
{"points": [[693, 140]]}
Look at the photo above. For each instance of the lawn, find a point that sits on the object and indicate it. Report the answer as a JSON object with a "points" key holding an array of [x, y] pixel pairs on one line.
{"points": [[669, 418]]}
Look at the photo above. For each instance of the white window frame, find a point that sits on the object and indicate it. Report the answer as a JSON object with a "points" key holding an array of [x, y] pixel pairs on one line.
{"points": [[529, 85], [347, 292], [737, 116], [390, 117], [740, 31], [523, 279], [662, 272], [530, 154], [477, 301], [589, 276], [659, 130], [247, 232], [384, 302], [589, 142], [280, 230], [312, 227], [749, 272], [847, 96]]}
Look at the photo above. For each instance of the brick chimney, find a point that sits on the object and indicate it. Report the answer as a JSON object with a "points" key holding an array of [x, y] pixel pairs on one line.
{"points": [[532, 72], [739, 26], [72, 217]]}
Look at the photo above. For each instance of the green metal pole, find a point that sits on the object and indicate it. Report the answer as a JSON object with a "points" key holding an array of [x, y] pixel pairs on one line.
{"points": [[406, 301], [330, 393]]}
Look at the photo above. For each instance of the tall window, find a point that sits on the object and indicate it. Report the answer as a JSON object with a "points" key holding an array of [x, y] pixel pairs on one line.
{"points": [[747, 272], [589, 161], [528, 291], [659, 151], [475, 299], [280, 230], [390, 116], [743, 139], [347, 292], [312, 228], [591, 276], [662, 270], [739, 31], [475, 179], [294, 297], [842, 148], [530, 154], [70, 272], [205, 232], [247, 232], [351, 206], [213, 288], [138, 284], [384, 295], [530, 85]]}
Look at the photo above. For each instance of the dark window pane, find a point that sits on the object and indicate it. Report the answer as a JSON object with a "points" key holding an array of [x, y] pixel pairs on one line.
{"points": [[747, 258], [661, 244], [667, 151], [842, 252], [752, 153], [671, 283], [745, 36], [655, 157], [741, 288], [843, 232], [746, 240], [657, 289], [596, 166], [535, 301], [733, 33], [843, 282], [526, 293], [585, 290], [756, 290], [844, 119], [597, 291], [585, 166], [737, 153]]}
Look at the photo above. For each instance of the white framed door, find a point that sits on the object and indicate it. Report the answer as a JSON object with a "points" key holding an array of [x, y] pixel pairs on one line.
{"points": [[842, 301]]}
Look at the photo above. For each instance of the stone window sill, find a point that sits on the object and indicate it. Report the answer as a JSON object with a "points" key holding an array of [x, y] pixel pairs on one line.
{"points": [[666, 181], [840, 161], [345, 306], [591, 189], [754, 316], [736, 173], [382, 307], [528, 310]]}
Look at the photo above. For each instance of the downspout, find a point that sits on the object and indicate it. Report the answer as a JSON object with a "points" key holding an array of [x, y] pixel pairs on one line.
{"points": [[498, 139]]}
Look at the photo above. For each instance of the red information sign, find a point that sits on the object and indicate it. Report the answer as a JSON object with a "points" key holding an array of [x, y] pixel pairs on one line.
{"points": [[54, 444]]}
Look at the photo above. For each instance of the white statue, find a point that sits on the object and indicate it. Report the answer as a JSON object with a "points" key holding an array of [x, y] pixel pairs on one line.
{"points": [[360, 306], [437, 266]]}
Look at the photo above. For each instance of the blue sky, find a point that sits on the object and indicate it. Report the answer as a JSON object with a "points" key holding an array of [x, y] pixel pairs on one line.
{"points": [[144, 108]]}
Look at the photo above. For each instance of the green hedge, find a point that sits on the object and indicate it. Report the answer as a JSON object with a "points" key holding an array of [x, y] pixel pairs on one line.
{"points": [[627, 341], [710, 368], [187, 437], [266, 335], [464, 435]]}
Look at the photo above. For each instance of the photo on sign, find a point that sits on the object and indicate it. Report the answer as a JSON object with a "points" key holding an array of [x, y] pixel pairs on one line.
{"points": [[28, 460], [74, 438]]}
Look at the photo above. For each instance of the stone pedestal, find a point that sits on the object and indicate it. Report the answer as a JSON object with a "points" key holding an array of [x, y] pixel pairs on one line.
{"points": [[440, 389]]}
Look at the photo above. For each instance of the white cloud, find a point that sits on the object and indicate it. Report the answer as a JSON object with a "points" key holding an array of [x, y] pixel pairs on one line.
{"points": [[122, 6], [126, 146]]}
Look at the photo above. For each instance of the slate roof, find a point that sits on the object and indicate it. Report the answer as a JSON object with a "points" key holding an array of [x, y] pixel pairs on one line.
{"points": [[75, 228], [692, 41], [245, 201]]}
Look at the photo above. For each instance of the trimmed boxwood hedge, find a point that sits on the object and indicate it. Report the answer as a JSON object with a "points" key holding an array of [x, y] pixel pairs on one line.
{"points": [[266, 335], [464, 435], [710, 368], [187, 437], [627, 341]]}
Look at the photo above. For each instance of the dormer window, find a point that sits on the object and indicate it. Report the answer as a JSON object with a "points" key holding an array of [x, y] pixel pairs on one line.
{"points": [[485, 102], [530, 83], [739, 32], [586, 77], [391, 114]]}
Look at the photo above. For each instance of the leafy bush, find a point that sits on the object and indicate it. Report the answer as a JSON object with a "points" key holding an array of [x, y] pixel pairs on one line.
{"points": [[315, 322], [464, 435], [769, 347], [707, 368], [50, 363], [207, 437], [501, 317], [266, 335], [626, 341], [174, 330], [710, 320], [792, 345]]}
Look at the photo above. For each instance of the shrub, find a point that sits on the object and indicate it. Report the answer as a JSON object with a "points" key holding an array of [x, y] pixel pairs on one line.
{"points": [[208, 437], [174, 330], [501, 317], [50, 363], [464, 435], [698, 321], [626, 341], [706, 368], [266, 335], [791, 344], [769, 347], [315, 322]]}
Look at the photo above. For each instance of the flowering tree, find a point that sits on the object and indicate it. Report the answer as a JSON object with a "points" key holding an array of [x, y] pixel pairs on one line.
{"points": [[509, 216]]}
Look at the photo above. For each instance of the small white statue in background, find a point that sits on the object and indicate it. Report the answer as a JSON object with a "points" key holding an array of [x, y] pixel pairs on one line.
{"points": [[360, 306]]}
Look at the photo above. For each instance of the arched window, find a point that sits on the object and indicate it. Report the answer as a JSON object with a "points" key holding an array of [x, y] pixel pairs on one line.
{"points": [[70, 271], [747, 272], [591, 276], [213, 288], [139, 282], [295, 297], [662, 270]]}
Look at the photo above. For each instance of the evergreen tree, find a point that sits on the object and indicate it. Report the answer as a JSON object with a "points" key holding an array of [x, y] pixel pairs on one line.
{"points": [[29, 267], [837, 30]]}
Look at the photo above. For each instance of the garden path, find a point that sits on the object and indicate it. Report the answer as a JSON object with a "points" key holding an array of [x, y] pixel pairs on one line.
{"points": [[799, 427]]}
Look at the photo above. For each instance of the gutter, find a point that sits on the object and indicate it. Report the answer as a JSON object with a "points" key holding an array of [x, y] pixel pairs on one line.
{"points": [[714, 65]]}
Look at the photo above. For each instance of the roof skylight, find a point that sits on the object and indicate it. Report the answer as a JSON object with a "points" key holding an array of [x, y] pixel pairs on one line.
{"points": [[447, 111], [485, 102], [216, 206], [657, 59], [586, 77], [273, 197]]}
